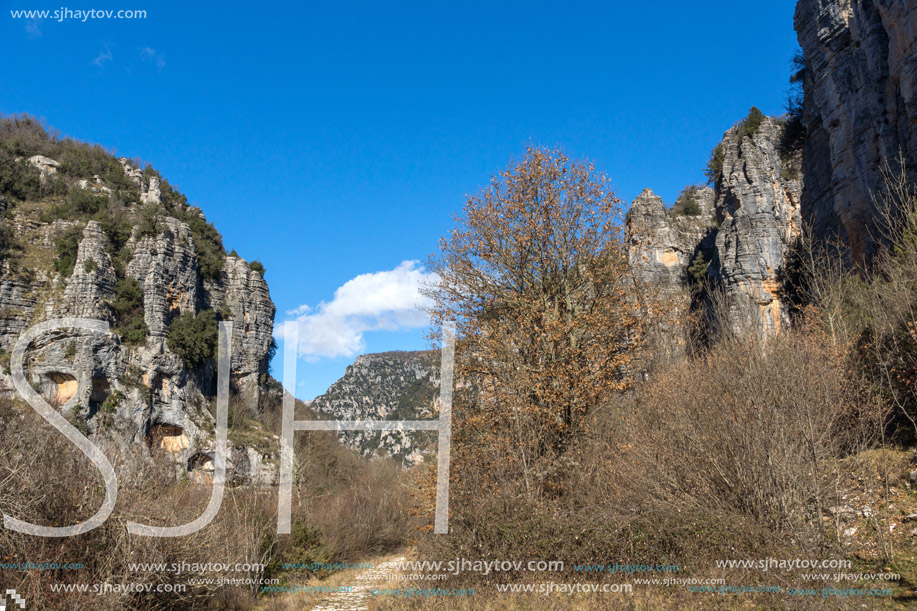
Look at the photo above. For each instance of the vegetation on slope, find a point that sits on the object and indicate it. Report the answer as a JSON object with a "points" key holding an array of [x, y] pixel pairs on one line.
{"points": [[740, 447], [22, 137]]}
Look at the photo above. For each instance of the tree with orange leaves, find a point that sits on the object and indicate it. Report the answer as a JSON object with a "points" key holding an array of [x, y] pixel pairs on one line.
{"points": [[536, 277]]}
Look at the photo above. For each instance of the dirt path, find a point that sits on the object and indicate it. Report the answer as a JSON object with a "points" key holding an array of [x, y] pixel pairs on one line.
{"points": [[359, 598]]}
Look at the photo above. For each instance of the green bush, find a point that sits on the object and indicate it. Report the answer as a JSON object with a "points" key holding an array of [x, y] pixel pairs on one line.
{"points": [[697, 270], [794, 132], [116, 224], [193, 337], [171, 198], [135, 331], [714, 169], [112, 401], [66, 246], [24, 136], [90, 265], [17, 179], [209, 244], [752, 123], [128, 296], [149, 222], [257, 266], [84, 201], [691, 208], [305, 546], [687, 204], [128, 310]]}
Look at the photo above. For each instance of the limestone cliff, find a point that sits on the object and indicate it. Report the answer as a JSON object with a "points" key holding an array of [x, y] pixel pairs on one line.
{"points": [[663, 241], [737, 239], [758, 213], [88, 235], [859, 113], [860, 108]]}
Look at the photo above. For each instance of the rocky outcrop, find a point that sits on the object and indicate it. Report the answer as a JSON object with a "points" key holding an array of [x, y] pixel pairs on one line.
{"points": [[165, 264], [860, 109], [149, 187], [132, 389], [859, 114], [758, 213], [152, 195], [243, 293], [663, 241], [91, 286], [737, 236], [386, 386], [46, 167]]}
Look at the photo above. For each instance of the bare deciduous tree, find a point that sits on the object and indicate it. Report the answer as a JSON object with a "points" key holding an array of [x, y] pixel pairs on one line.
{"points": [[536, 276]]}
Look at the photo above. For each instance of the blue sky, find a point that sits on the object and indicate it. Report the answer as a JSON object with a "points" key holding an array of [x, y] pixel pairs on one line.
{"points": [[335, 141]]}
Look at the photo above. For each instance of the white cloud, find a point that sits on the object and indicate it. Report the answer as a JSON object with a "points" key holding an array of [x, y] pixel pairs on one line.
{"points": [[388, 300], [150, 55], [33, 28], [104, 56], [303, 309]]}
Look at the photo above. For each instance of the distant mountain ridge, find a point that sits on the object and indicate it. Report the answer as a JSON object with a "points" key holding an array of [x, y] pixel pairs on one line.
{"points": [[386, 386]]}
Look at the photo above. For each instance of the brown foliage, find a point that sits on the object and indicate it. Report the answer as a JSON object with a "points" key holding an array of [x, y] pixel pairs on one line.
{"points": [[346, 508], [536, 277], [748, 429], [47, 481]]}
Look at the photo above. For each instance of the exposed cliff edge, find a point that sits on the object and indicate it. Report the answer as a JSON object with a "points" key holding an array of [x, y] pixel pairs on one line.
{"points": [[88, 235], [758, 214], [737, 236], [860, 109], [859, 113], [386, 386], [664, 241]]}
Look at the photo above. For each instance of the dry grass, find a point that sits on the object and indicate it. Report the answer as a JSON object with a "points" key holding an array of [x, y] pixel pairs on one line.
{"points": [[47, 481], [345, 509]]}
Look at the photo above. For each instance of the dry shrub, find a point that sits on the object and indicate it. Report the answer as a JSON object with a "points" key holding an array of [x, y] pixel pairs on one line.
{"points": [[45, 480], [751, 428], [730, 453], [359, 506], [535, 276], [345, 508], [870, 306]]}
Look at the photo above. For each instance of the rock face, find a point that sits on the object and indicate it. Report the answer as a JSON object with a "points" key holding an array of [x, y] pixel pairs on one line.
{"points": [[166, 266], [91, 286], [131, 389], [860, 108], [243, 292], [46, 167], [663, 242], [738, 235], [386, 386], [758, 211], [859, 113]]}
